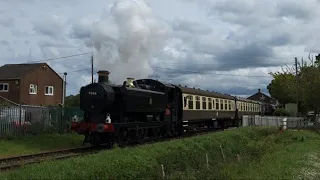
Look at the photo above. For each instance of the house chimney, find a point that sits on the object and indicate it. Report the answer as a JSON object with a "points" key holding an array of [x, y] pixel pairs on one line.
{"points": [[259, 90], [103, 76]]}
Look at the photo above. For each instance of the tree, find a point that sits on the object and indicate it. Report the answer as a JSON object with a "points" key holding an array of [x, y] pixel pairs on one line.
{"points": [[309, 85], [283, 87], [72, 101]]}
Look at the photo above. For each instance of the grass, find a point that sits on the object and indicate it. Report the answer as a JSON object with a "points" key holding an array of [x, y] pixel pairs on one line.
{"points": [[34, 144], [250, 153]]}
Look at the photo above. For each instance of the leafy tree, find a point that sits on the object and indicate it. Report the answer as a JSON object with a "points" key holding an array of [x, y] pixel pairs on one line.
{"points": [[309, 85], [283, 87], [72, 101]]}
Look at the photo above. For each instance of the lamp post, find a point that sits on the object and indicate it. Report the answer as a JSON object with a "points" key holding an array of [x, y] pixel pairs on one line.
{"points": [[64, 87]]}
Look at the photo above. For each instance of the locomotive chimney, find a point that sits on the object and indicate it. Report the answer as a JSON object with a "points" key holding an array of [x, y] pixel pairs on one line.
{"points": [[103, 76], [130, 82]]}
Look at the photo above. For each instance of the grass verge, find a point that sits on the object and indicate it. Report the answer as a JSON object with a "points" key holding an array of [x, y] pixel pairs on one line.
{"points": [[34, 144], [245, 153]]}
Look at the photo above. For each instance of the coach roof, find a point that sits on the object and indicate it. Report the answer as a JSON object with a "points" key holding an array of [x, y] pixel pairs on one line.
{"points": [[204, 92]]}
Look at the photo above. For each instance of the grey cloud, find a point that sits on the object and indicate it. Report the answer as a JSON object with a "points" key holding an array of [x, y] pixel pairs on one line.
{"points": [[249, 55], [239, 7], [6, 22], [295, 9], [4, 42], [80, 31], [50, 26], [190, 26]]}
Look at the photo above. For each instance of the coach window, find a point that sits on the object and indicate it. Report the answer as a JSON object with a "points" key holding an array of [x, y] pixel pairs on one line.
{"points": [[190, 102], [213, 103], [197, 102], [209, 103], [204, 103], [217, 104]]}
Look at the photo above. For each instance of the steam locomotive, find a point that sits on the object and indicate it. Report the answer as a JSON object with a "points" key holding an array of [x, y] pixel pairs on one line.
{"points": [[145, 109]]}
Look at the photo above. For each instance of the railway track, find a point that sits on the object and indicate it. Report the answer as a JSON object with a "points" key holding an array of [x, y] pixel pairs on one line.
{"points": [[14, 162]]}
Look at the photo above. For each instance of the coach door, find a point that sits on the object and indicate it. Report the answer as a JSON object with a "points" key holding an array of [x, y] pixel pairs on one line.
{"points": [[173, 103]]}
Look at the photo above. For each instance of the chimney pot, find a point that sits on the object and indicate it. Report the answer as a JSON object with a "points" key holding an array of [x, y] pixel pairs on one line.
{"points": [[103, 76]]}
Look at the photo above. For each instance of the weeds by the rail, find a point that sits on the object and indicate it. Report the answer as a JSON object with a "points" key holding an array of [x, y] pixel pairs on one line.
{"points": [[246, 153], [35, 144]]}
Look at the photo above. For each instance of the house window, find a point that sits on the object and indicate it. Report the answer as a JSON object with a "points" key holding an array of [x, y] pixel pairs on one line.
{"points": [[33, 89], [49, 90], [4, 87]]}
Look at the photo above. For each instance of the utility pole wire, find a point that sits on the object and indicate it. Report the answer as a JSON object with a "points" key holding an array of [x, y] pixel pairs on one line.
{"points": [[62, 57]]}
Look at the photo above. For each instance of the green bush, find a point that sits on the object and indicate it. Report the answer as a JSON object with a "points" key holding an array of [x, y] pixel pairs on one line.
{"points": [[281, 112]]}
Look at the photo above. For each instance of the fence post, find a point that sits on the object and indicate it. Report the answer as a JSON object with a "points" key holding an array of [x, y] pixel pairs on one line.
{"points": [[20, 114]]}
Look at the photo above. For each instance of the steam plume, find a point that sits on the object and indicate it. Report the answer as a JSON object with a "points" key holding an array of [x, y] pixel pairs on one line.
{"points": [[125, 39]]}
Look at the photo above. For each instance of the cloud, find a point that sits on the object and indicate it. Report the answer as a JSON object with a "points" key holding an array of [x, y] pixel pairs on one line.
{"points": [[227, 46], [125, 40]]}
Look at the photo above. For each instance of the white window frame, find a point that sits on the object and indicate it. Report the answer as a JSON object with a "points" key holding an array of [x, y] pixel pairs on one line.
{"points": [[33, 89], [5, 84], [48, 93]]}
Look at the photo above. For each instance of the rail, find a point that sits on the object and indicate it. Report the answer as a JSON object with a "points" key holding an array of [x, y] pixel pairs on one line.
{"points": [[14, 162]]}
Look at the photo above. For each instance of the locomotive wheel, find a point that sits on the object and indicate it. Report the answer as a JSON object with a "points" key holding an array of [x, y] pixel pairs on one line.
{"points": [[95, 139], [156, 133], [123, 138]]}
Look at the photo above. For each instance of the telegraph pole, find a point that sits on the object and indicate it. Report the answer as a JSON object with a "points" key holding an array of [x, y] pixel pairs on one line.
{"points": [[92, 68], [297, 82]]}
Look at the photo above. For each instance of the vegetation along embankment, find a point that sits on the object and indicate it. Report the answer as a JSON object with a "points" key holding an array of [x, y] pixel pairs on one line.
{"points": [[20, 145], [245, 153]]}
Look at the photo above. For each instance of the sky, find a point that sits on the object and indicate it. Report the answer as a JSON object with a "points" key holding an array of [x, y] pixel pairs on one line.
{"points": [[227, 46]]}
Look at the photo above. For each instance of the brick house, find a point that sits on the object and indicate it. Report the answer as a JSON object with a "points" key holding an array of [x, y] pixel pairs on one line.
{"points": [[31, 84], [259, 96]]}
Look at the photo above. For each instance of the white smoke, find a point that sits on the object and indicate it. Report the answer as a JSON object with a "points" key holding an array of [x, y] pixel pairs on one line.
{"points": [[126, 38]]}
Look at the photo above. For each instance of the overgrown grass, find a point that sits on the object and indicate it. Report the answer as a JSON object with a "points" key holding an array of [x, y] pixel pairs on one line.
{"points": [[37, 143], [250, 153]]}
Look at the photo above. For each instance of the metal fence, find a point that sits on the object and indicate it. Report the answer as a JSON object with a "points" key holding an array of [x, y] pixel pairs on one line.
{"points": [[278, 121], [25, 119]]}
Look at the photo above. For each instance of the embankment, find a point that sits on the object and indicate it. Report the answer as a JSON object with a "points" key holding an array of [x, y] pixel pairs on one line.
{"points": [[240, 153]]}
